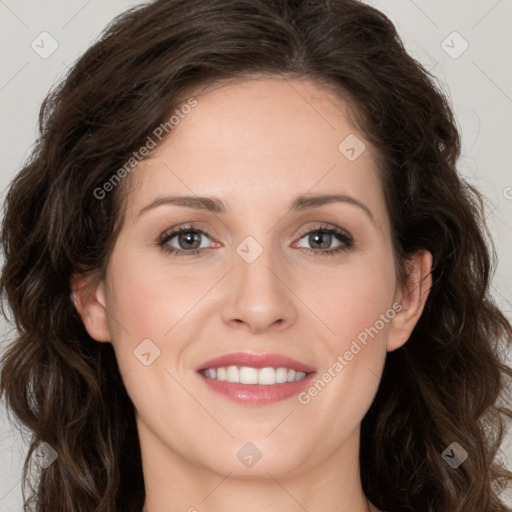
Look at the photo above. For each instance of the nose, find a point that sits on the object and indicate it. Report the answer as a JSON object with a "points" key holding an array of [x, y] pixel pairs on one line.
{"points": [[259, 294]]}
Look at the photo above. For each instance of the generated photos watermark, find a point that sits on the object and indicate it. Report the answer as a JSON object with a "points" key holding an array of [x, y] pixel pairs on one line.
{"points": [[343, 360], [151, 142]]}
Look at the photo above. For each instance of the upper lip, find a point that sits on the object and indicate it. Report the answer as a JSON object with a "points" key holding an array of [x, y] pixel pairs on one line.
{"points": [[256, 361]]}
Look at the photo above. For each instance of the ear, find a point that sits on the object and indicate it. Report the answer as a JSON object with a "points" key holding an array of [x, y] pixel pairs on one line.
{"points": [[411, 295], [88, 295]]}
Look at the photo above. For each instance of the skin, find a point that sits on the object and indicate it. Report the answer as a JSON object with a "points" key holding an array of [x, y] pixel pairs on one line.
{"points": [[240, 138]]}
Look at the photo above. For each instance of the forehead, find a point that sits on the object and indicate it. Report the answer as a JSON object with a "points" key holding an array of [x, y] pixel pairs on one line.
{"points": [[261, 141]]}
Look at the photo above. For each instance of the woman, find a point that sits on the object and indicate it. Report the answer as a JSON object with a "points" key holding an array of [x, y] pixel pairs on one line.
{"points": [[359, 372]]}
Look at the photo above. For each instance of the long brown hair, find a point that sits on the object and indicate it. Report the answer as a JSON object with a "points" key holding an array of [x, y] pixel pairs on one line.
{"points": [[446, 384]]}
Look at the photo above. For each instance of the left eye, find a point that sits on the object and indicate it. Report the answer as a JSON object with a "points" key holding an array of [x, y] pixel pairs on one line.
{"points": [[325, 236]]}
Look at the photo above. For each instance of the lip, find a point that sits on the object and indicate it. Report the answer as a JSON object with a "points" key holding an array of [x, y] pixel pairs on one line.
{"points": [[256, 394], [256, 361]]}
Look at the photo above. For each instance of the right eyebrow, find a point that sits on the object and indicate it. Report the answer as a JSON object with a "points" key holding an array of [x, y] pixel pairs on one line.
{"points": [[199, 203]]}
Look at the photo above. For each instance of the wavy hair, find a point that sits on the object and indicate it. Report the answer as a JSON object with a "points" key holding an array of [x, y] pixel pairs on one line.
{"points": [[447, 383]]}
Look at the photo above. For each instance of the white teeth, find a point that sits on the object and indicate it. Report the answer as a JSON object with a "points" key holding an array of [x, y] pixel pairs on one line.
{"points": [[232, 374], [266, 376], [281, 375], [248, 375]]}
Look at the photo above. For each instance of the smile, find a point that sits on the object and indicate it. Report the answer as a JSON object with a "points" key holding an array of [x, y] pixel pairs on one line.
{"points": [[249, 375]]}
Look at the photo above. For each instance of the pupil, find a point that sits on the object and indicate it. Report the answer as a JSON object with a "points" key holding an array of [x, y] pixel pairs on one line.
{"points": [[188, 238], [320, 235]]}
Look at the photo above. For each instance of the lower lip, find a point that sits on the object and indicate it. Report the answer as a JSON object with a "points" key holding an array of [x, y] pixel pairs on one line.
{"points": [[257, 394]]}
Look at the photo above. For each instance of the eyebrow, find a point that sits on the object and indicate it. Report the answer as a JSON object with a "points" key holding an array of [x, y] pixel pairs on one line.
{"points": [[215, 205]]}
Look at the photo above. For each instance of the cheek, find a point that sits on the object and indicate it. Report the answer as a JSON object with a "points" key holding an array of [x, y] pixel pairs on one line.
{"points": [[148, 301], [353, 298], [358, 310], [352, 362]]}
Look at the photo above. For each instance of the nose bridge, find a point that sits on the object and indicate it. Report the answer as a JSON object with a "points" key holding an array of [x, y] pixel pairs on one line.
{"points": [[254, 261], [253, 265], [258, 295]]}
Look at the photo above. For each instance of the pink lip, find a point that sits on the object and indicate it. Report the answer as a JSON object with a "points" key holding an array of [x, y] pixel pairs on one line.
{"points": [[256, 361], [256, 394]]}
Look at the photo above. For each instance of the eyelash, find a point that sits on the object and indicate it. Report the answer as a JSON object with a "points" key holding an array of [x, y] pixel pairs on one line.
{"points": [[346, 240]]}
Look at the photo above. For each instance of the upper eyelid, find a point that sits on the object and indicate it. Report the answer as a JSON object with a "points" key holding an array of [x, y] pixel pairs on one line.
{"points": [[176, 230]]}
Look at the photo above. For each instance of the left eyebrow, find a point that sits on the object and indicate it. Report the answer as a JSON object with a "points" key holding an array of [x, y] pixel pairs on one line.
{"points": [[307, 201], [215, 205]]}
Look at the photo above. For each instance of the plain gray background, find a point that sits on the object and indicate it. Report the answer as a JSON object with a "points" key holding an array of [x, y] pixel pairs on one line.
{"points": [[473, 65]]}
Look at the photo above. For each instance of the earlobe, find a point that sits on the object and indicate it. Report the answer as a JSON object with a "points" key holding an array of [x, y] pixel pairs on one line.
{"points": [[412, 295], [89, 299]]}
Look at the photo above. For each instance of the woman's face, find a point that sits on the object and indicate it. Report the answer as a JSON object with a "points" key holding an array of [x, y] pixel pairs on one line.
{"points": [[258, 161]]}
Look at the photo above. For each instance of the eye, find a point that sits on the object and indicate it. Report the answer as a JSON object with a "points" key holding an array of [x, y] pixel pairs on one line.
{"points": [[323, 236], [188, 239]]}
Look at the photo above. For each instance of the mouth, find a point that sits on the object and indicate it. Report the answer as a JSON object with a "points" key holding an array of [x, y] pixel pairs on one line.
{"points": [[255, 379]]}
